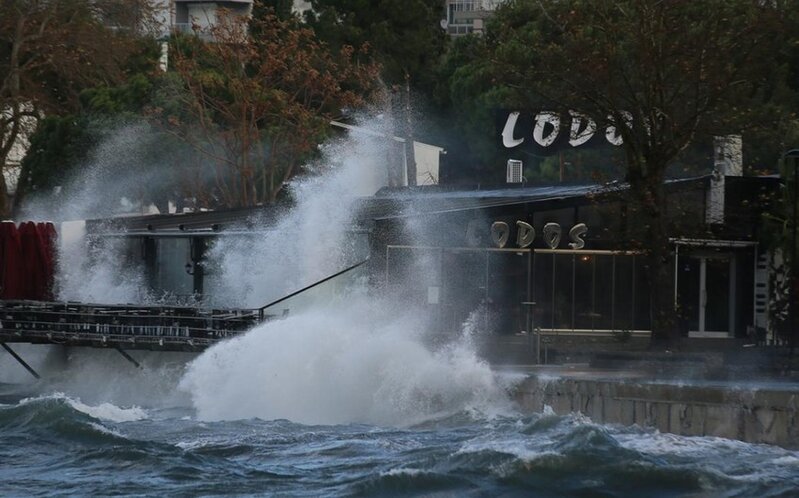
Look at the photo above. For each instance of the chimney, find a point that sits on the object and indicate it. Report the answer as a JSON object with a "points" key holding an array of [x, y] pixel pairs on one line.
{"points": [[728, 155], [514, 172], [727, 161]]}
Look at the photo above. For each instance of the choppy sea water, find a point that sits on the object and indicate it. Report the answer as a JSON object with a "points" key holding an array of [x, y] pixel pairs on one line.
{"points": [[56, 445]]}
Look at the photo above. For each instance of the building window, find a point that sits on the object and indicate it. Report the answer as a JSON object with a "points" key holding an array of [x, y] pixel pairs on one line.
{"points": [[582, 291]]}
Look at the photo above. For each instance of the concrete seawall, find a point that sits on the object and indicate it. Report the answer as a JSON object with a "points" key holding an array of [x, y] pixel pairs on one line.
{"points": [[762, 415]]}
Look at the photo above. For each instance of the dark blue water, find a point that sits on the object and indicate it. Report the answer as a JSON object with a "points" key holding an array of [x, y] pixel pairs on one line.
{"points": [[57, 446]]}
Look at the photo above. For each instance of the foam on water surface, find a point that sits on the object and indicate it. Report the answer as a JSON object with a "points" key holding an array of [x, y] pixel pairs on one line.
{"points": [[103, 411]]}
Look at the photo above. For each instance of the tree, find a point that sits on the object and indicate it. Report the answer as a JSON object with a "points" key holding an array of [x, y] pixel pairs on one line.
{"points": [[407, 40], [58, 144], [404, 37], [257, 106], [665, 74], [467, 96], [279, 8], [62, 142], [50, 51]]}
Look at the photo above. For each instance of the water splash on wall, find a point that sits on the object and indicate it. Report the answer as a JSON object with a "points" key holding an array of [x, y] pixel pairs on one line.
{"points": [[355, 358], [350, 357], [363, 361], [312, 240]]}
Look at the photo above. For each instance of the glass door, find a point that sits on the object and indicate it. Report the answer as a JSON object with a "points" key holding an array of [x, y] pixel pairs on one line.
{"points": [[717, 296], [707, 290]]}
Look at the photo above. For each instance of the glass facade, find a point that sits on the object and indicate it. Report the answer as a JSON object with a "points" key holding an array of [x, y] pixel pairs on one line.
{"points": [[565, 290], [171, 276]]}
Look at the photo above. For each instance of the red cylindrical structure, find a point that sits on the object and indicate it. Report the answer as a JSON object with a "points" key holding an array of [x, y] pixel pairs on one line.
{"points": [[35, 262], [11, 262]]}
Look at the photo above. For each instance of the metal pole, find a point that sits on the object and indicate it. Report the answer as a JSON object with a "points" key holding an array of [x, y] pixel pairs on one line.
{"points": [[20, 360], [529, 318], [593, 294], [410, 154], [129, 358], [793, 260], [574, 284], [676, 271], [388, 248], [632, 315], [345, 270], [553, 293], [488, 307], [441, 292], [793, 155], [613, 295]]}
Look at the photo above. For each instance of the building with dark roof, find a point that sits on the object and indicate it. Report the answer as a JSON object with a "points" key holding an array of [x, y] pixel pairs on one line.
{"points": [[591, 282]]}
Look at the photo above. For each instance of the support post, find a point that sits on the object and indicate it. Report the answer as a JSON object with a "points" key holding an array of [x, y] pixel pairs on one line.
{"points": [[791, 158], [528, 323], [129, 358], [533, 349], [197, 257], [20, 360], [410, 154], [794, 297]]}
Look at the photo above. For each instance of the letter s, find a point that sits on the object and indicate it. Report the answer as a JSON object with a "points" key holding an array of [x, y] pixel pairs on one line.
{"points": [[576, 236]]}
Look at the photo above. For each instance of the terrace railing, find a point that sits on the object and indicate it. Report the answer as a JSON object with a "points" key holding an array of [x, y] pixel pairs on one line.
{"points": [[129, 326]]}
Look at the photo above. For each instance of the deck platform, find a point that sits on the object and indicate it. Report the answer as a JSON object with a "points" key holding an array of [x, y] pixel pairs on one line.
{"points": [[127, 327]]}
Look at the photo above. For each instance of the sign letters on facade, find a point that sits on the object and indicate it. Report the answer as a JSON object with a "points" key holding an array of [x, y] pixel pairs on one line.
{"points": [[525, 234], [547, 131]]}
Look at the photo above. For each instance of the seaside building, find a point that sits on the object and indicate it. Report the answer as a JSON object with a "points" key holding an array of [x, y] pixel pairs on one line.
{"points": [[547, 273], [560, 260]]}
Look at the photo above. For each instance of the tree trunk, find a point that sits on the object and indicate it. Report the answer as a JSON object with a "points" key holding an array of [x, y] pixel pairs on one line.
{"points": [[664, 316], [649, 195], [4, 211], [21, 190]]}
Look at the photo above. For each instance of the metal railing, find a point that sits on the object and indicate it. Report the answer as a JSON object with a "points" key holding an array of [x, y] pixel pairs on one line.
{"points": [[132, 326], [21, 318], [263, 308]]}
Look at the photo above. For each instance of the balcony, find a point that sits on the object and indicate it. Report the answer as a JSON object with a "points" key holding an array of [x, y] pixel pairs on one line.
{"points": [[187, 28]]}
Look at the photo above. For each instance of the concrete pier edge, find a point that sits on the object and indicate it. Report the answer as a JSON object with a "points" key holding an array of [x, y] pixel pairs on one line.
{"points": [[768, 415]]}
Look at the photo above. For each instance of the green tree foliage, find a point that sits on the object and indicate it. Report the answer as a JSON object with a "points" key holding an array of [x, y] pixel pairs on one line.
{"points": [[467, 95], [61, 142], [280, 8], [405, 37], [58, 144], [779, 224], [678, 71], [256, 103], [51, 51]]}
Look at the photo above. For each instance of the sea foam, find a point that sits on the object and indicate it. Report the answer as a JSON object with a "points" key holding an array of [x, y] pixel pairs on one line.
{"points": [[351, 364]]}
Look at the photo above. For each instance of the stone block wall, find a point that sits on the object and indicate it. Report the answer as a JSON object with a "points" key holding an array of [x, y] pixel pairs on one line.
{"points": [[758, 416]]}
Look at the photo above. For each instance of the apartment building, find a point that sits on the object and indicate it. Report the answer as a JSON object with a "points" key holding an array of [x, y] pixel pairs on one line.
{"points": [[468, 16], [203, 14]]}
